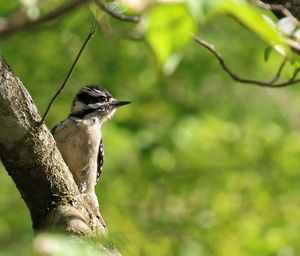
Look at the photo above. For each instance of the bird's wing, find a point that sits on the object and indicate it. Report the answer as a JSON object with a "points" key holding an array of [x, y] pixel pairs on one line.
{"points": [[57, 127], [100, 159], [53, 130]]}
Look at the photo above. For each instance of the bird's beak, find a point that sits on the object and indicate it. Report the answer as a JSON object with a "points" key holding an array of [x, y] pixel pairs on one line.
{"points": [[119, 103]]}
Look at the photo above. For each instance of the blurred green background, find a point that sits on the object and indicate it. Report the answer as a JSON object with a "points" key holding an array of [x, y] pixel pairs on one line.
{"points": [[196, 165]]}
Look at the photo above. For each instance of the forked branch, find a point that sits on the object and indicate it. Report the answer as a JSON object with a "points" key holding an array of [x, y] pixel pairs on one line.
{"points": [[279, 8], [234, 76]]}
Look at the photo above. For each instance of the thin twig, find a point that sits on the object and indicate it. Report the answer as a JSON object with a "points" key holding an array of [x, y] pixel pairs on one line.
{"points": [[296, 72], [235, 77], [279, 8], [295, 46], [278, 74], [17, 23], [91, 34], [116, 15]]}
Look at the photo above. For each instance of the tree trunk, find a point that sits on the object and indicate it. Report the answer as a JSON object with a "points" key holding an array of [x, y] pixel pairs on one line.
{"points": [[30, 156]]}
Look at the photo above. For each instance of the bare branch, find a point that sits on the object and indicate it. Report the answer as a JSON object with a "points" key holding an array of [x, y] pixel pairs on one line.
{"points": [[17, 23], [89, 37], [278, 74], [116, 15], [295, 74], [235, 77], [279, 8]]}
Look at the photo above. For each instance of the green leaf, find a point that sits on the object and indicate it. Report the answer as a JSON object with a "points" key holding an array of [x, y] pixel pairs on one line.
{"points": [[169, 29], [252, 18], [267, 53]]}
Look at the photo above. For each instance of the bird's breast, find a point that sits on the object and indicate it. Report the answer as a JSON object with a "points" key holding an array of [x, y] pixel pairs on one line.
{"points": [[78, 142]]}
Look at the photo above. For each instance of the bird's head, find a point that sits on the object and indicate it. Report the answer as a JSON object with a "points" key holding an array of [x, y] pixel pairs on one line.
{"points": [[93, 100]]}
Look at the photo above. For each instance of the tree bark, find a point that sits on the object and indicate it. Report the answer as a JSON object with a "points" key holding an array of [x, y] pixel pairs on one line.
{"points": [[30, 156]]}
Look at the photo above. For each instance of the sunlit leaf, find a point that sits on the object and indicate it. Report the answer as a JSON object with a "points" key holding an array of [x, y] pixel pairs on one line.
{"points": [[253, 19], [169, 31], [280, 49]]}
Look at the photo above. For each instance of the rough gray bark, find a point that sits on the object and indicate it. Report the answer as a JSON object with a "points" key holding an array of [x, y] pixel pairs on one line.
{"points": [[30, 156]]}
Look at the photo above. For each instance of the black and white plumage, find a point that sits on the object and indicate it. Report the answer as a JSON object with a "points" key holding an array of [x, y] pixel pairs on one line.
{"points": [[79, 137], [100, 159]]}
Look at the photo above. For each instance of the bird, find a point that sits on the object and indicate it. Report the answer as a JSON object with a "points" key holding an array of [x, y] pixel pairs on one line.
{"points": [[79, 137]]}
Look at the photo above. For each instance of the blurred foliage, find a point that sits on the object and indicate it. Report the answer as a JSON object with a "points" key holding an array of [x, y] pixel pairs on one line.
{"points": [[169, 30], [197, 164]]}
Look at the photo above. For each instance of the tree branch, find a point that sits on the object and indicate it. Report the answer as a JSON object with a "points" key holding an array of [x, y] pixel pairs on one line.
{"points": [[282, 8], [235, 77], [60, 89], [17, 23], [118, 16], [30, 156], [279, 71], [279, 8], [287, 8], [20, 22]]}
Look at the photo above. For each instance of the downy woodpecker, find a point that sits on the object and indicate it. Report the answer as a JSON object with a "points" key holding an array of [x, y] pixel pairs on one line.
{"points": [[79, 137]]}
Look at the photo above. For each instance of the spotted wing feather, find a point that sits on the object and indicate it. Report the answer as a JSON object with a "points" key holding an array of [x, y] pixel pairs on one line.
{"points": [[100, 159]]}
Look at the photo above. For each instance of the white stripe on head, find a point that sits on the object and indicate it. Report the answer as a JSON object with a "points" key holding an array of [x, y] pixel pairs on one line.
{"points": [[96, 105], [78, 106], [93, 91]]}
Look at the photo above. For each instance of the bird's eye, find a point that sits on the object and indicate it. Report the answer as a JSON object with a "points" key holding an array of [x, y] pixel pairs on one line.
{"points": [[101, 98]]}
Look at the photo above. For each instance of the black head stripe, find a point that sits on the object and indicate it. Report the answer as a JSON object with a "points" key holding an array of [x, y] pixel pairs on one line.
{"points": [[81, 114], [87, 98], [93, 94]]}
